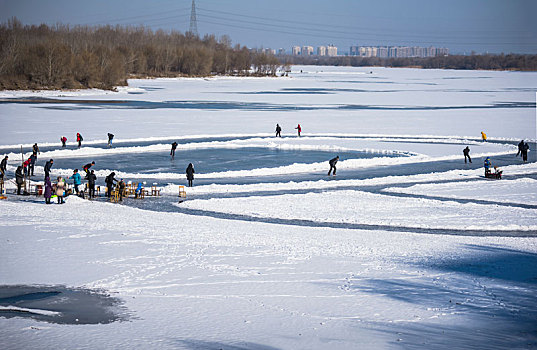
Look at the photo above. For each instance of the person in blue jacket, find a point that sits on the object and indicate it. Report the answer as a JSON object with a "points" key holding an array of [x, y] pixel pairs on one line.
{"points": [[77, 180], [487, 164]]}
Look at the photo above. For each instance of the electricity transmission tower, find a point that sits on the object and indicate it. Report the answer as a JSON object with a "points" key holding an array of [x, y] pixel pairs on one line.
{"points": [[193, 21]]}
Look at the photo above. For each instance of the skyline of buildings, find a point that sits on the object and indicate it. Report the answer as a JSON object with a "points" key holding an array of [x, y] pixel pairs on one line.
{"points": [[363, 51]]}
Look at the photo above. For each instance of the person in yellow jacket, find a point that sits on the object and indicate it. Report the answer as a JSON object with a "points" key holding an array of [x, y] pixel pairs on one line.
{"points": [[483, 136]]}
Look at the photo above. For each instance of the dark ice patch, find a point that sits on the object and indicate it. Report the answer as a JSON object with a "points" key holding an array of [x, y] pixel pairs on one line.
{"points": [[73, 305]]}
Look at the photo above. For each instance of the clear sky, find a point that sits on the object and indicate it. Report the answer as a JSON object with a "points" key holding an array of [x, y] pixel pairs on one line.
{"points": [[461, 25]]}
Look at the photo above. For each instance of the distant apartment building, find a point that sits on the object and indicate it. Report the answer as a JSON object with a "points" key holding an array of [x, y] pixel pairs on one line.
{"points": [[281, 51], [307, 50], [321, 51], [397, 51], [295, 50], [331, 51]]}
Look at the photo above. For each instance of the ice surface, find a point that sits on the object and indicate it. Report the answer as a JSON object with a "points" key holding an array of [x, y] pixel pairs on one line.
{"points": [[407, 247]]}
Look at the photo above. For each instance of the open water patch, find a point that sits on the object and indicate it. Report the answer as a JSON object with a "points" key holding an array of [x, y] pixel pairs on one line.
{"points": [[60, 304]]}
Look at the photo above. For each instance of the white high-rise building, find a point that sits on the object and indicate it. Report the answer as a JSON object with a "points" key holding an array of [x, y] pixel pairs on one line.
{"points": [[307, 50], [295, 50], [321, 51], [331, 50]]}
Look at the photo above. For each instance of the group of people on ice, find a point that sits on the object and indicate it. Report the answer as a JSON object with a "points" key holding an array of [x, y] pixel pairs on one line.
{"points": [[279, 130], [58, 189], [523, 149]]}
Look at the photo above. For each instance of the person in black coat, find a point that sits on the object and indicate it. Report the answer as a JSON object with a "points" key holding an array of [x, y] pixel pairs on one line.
{"points": [[525, 150], [110, 138], [48, 165], [520, 148], [278, 130], [91, 184], [31, 165], [3, 167], [172, 152], [466, 153], [87, 167], [190, 174], [333, 163], [110, 183], [19, 178]]}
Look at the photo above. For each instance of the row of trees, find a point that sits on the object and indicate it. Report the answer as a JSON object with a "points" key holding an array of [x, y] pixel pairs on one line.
{"points": [[42, 57], [488, 62]]}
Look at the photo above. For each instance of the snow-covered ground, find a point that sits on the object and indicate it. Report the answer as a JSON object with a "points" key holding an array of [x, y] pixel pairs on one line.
{"points": [[408, 247]]}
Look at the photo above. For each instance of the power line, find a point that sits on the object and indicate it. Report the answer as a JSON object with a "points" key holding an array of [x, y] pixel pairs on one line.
{"points": [[316, 35]]}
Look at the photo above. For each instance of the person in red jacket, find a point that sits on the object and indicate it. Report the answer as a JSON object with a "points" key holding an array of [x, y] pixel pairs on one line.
{"points": [[79, 139], [63, 140], [299, 129]]}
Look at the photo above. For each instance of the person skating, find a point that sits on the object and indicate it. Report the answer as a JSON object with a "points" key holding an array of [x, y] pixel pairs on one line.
{"points": [[299, 129], [110, 138], [520, 148], [172, 152], [87, 167], [31, 164], [77, 180], [278, 130], [109, 180], [19, 178], [333, 163], [48, 190], [91, 184], [79, 139], [466, 153], [525, 150], [483, 136], [48, 165], [190, 174], [60, 189], [3, 167], [64, 141]]}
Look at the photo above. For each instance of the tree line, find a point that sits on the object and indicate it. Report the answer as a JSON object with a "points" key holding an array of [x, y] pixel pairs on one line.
{"points": [[52, 57], [485, 62]]}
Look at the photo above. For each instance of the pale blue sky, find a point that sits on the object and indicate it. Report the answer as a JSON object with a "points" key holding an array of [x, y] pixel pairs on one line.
{"points": [[461, 25]]}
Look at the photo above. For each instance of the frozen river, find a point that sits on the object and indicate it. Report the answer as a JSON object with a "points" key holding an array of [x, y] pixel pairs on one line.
{"points": [[408, 247]]}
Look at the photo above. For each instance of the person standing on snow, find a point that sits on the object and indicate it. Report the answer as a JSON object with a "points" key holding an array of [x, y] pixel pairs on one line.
{"points": [[110, 138], [48, 165], [121, 185], [79, 139], [299, 129], [520, 148], [63, 140], [466, 153], [35, 150], [91, 184], [87, 167], [278, 130], [110, 183], [172, 152], [333, 163], [77, 180], [48, 190], [60, 189], [31, 164], [190, 174], [3, 167], [487, 164], [19, 178], [483, 136], [525, 150]]}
